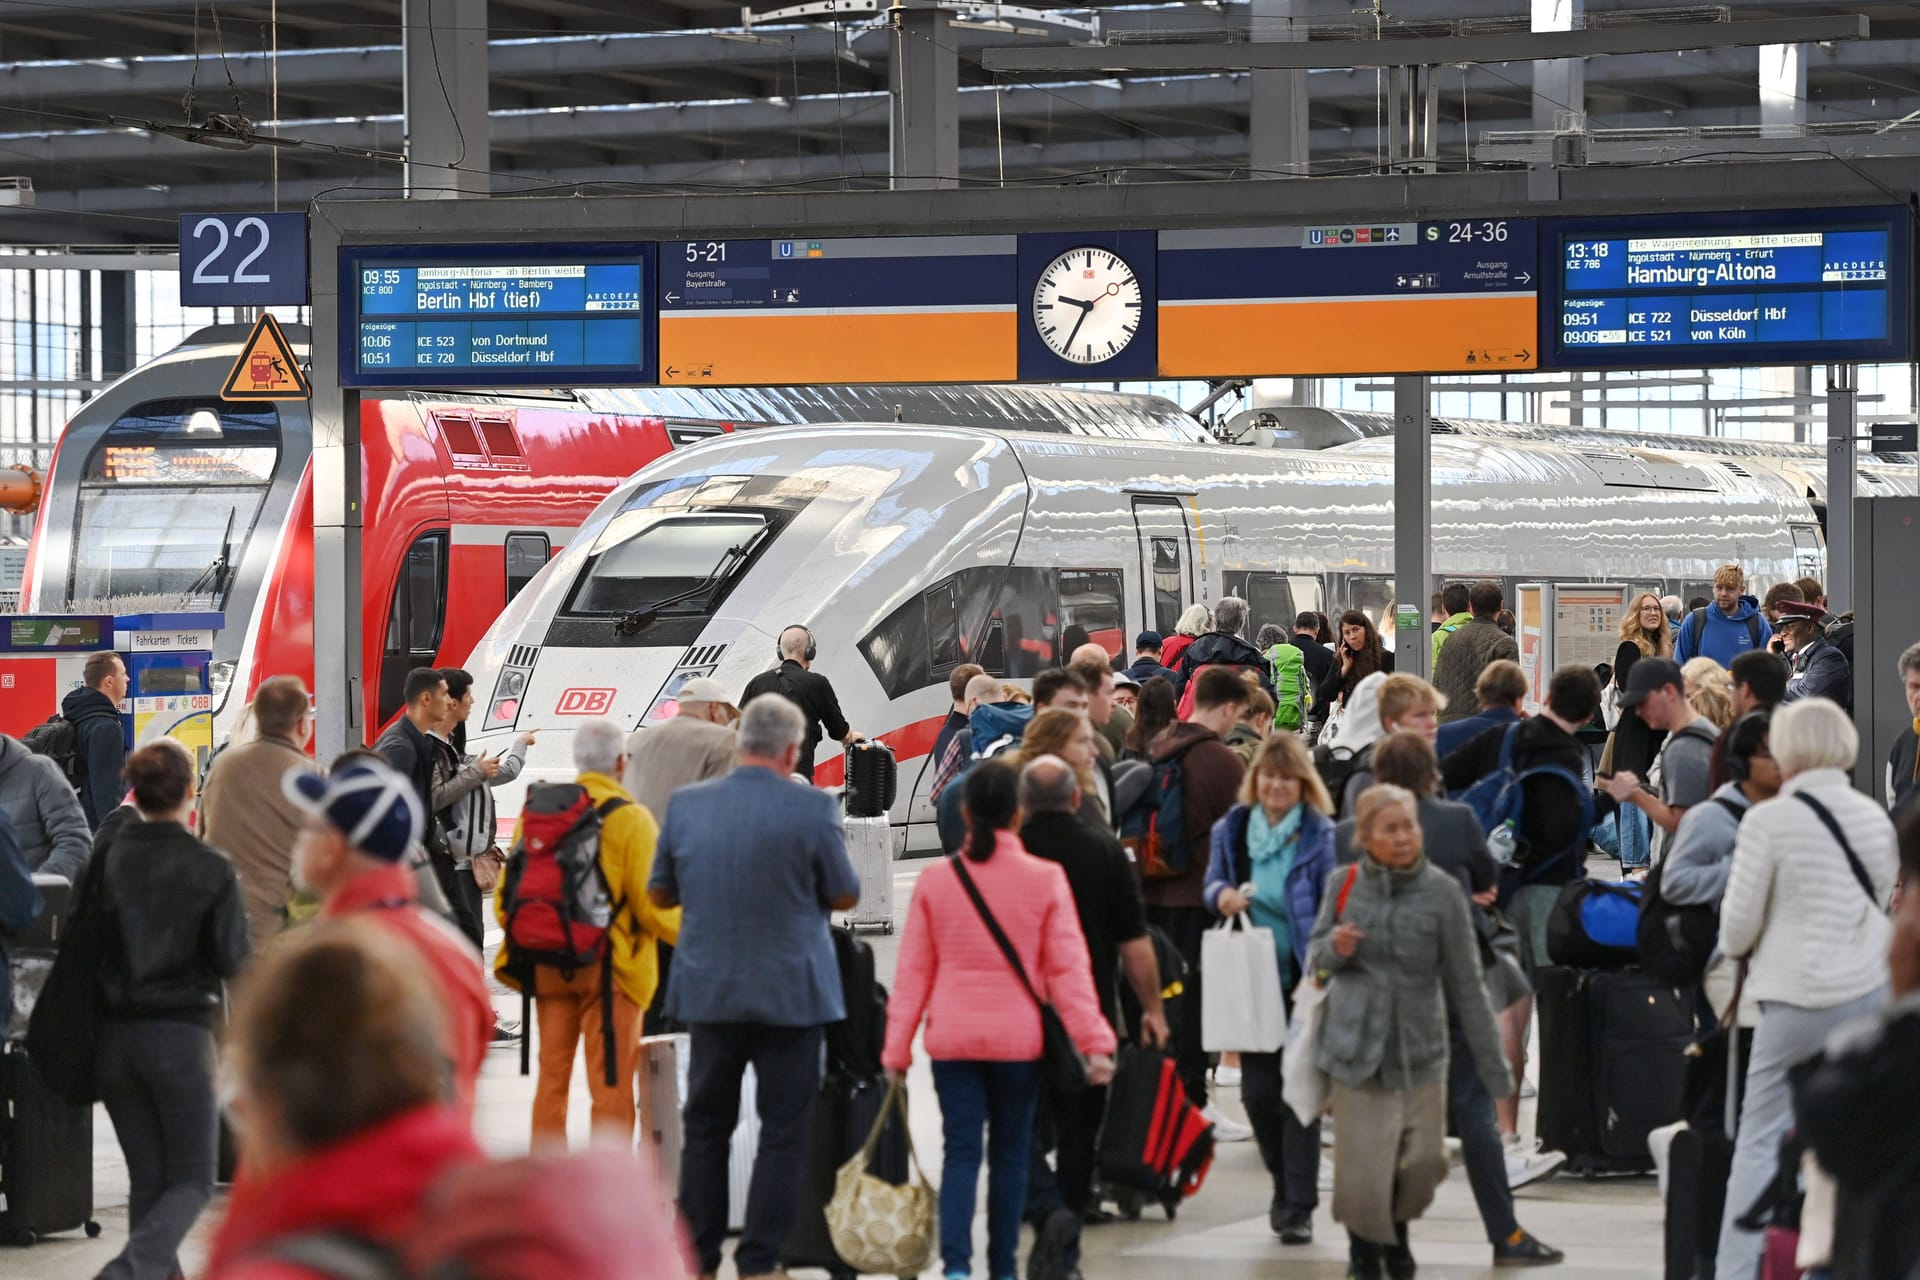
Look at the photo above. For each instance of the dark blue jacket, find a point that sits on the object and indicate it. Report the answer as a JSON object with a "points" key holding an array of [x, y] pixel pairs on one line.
{"points": [[1230, 865], [1458, 734], [1145, 669], [99, 751], [1820, 670]]}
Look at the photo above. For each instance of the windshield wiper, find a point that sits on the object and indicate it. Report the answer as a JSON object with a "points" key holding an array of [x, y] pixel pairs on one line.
{"points": [[221, 569], [634, 621]]}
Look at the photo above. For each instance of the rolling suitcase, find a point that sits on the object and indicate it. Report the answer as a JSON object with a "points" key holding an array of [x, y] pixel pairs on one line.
{"points": [[1697, 1167], [872, 778], [843, 1115], [662, 1086], [1612, 1065], [746, 1146], [870, 847], [46, 1156]]}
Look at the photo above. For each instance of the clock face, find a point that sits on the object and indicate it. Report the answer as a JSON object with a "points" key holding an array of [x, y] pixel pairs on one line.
{"points": [[1087, 305]]}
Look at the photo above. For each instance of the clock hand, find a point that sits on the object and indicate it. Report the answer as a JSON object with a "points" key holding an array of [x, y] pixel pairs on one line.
{"points": [[1068, 344], [1084, 306]]}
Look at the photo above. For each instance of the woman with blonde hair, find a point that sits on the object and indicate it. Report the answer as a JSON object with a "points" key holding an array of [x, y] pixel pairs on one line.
{"points": [[1709, 690], [1396, 951], [1056, 731], [1644, 633], [1271, 855], [1194, 623]]}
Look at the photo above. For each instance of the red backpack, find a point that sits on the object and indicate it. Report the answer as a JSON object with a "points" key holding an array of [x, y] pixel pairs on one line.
{"points": [[559, 906]]}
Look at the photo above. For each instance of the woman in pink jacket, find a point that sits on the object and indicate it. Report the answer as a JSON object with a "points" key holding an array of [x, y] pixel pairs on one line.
{"points": [[983, 1029]]}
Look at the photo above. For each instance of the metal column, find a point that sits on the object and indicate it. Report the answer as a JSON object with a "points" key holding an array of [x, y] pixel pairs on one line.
{"points": [[1559, 86], [1843, 469], [119, 338], [1277, 126], [1412, 525], [1783, 88], [337, 601], [923, 94], [445, 89]]}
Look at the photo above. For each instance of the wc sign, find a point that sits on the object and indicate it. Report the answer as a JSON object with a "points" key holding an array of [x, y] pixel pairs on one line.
{"points": [[584, 702]]}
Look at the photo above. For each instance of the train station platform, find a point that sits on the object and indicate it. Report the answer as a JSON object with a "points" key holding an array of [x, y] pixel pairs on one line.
{"points": [[1609, 1228]]}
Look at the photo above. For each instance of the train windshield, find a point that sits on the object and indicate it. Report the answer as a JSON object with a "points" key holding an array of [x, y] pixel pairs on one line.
{"points": [[682, 564], [168, 499]]}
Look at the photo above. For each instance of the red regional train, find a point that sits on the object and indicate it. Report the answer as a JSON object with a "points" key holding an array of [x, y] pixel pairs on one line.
{"points": [[161, 496]]}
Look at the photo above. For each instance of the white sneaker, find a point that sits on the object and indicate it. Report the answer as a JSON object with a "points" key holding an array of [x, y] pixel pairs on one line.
{"points": [[1326, 1131], [1227, 1077], [1529, 1166], [1527, 1090], [1225, 1127], [1325, 1179]]}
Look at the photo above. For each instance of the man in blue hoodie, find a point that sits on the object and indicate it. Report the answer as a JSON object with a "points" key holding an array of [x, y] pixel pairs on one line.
{"points": [[993, 727], [1728, 627]]}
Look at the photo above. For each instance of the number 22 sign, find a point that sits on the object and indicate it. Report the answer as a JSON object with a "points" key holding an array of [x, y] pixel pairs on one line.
{"points": [[243, 259]]}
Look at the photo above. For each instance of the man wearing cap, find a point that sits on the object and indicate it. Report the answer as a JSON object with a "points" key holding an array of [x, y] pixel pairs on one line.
{"points": [[352, 852], [1146, 659], [692, 746], [1682, 772], [1126, 694], [1820, 670]]}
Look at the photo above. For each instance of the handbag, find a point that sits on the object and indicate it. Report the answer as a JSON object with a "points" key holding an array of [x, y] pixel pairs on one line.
{"points": [[1061, 1065], [878, 1227], [1303, 1085], [1241, 1006], [64, 1031], [1610, 708], [486, 868]]}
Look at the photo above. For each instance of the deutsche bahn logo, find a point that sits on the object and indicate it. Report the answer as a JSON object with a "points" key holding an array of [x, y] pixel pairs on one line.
{"points": [[584, 702]]}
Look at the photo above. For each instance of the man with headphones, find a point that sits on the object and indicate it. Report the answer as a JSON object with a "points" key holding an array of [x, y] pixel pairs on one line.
{"points": [[805, 688]]}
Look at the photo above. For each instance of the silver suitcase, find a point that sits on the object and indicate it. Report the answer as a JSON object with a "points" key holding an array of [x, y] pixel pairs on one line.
{"points": [[665, 1064], [870, 846]]}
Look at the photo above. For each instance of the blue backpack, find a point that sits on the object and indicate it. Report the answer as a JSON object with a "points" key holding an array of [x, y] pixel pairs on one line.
{"points": [[1499, 800], [1595, 924], [1154, 831]]}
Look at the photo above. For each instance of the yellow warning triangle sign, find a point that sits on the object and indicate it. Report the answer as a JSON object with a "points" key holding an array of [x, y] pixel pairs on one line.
{"points": [[267, 368]]}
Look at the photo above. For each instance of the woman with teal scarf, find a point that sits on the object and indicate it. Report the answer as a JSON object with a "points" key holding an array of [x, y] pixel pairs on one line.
{"points": [[1279, 841]]}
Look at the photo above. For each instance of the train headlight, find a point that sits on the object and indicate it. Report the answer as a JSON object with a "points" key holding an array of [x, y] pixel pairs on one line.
{"points": [[507, 693], [504, 710]]}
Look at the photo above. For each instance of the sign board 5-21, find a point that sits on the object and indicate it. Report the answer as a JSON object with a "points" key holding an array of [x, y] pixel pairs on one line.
{"points": [[243, 260]]}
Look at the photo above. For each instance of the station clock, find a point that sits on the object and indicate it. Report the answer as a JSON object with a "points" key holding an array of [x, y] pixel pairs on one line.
{"points": [[1088, 305]]}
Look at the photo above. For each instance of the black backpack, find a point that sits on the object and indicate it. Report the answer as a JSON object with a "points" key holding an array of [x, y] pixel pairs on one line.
{"points": [[855, 1042], [1675, 943], [1336, 766], [58, 740]]}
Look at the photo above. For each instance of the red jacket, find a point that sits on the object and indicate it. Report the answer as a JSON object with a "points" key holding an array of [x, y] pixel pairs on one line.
{"points": [[368, 1186], [391, 896], [951, 970]]}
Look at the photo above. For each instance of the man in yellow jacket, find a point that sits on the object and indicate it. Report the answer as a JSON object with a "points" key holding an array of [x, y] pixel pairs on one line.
{"points": [[569, 1009]]}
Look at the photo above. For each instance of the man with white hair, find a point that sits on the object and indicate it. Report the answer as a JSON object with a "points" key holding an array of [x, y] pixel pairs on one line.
{"points": [[797, 681], [1224, 646], [601, 1002], [756, 864], [697, 743]]}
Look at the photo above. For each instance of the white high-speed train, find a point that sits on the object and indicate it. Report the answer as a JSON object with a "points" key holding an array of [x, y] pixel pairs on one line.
{"points": [[908, 552]]}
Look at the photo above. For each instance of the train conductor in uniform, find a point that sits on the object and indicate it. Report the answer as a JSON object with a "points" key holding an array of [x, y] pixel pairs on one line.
{"points": [[807, 689]]}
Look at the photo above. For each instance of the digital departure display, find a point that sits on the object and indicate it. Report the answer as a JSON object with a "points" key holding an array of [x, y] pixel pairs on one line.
{"points": [[497, 315], [1801, 287]]}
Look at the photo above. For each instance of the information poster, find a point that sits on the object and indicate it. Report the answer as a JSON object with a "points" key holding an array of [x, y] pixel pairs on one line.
{"points": [[1532, 616], [1586, 623]]}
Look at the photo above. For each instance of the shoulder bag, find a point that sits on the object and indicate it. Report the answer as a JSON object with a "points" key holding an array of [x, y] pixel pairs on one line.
{"points": [[1061, 1065], [1303, 1085], [63, 1032], [878, 1227]]}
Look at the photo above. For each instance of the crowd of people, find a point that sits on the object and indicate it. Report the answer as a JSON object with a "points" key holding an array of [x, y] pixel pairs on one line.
{"points": [[1100, 820]]}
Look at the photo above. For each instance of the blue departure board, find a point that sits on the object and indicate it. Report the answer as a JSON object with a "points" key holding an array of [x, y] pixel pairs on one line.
{"points": [[1781, 287], [497, 315]]}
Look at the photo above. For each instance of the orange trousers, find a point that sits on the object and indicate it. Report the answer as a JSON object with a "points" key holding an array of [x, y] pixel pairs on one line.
{"points": [[568, 1011]]}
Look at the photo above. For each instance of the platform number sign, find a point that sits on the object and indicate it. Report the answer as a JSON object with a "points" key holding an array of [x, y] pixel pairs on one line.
{"points": [[243, 260]]}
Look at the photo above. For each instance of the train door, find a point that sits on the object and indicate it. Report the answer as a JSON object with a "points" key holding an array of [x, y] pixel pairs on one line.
{"points": [[1166, 560], [415, 622], [1809, 558]]}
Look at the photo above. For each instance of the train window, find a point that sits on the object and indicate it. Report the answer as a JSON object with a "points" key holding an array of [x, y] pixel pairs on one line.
{"points": [[526, 553], [897, 649], [502, 440], [457, 430], [1166, 585], [924, 639], [1090, 610], [415, 622], [1269, 599], [945, 646], [682, 564], [1374, 597], [1029, 615]]}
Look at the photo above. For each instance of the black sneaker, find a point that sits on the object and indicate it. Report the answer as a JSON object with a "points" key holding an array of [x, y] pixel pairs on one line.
{"points": [[1358, 1270], [1293, 1226], [1055, 1236], [1400, 1264], [1522, 1250]]}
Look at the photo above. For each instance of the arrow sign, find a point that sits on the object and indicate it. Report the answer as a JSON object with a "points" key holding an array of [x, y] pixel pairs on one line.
{"points": [[1525, 354], [672, 298], [1525, 277], [672, 372]]}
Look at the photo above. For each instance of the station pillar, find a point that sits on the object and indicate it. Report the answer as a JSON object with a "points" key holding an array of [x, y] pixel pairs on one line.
{"points": [[1843, 469], [1412, 525], [923, 94], [1559, 85], [1277, 129], [444, 83]]}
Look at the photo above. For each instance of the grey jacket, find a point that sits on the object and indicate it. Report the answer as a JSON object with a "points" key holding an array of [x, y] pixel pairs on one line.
{"points": [[1463, 657], [1698, 862], [1386, 1009], [44, 811]]}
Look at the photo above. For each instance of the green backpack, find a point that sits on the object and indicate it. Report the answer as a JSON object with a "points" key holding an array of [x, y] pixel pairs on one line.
{"points": [[1288, 669]]}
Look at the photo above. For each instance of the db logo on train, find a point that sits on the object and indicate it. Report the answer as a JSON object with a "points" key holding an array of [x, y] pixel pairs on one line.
{"points": [[584, 702]]}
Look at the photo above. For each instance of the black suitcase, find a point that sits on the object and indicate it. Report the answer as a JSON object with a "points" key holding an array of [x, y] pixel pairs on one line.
{"points": [[1612, 1065], [1697, 1167], [872, 778], [46, 1156], [842, 1117]]}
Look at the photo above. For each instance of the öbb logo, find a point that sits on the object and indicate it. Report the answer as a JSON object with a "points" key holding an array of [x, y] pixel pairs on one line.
{"points": [[584, 702]]}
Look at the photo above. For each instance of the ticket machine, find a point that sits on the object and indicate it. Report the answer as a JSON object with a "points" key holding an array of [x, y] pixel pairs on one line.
{"points": [[167, 655], [41, 657]]}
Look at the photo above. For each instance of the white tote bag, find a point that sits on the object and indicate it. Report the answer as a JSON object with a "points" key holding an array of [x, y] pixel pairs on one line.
{"points": [[1241, 1006], [1303, 1085]]}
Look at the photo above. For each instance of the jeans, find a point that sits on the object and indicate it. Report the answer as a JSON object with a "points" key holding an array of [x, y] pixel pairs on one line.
{"points": [[1627, 834], [157, 1081], [1289, 1149], [1787, 1036], [1000, 1097], [786, 1064], [1470, 1114], [1184, 927], [1069, 1126]]}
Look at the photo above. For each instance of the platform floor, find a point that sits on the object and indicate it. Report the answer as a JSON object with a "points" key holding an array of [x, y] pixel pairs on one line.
{"points": [[1610, 1229]]}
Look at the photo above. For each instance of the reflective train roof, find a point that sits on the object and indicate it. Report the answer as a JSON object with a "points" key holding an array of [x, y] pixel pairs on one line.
{"points": [[1058, 410]]}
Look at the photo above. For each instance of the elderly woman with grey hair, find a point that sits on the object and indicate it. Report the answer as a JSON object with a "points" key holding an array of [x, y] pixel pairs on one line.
{"points": [[1395, 948], [1805, 907]]}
